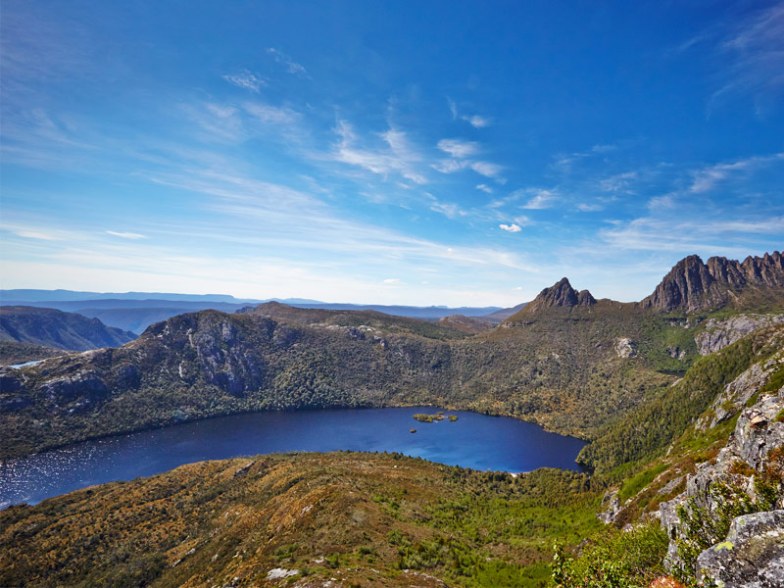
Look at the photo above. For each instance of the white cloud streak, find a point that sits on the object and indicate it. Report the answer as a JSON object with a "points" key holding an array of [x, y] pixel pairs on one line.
{"points": [[541, 199], [750, 59], [291, 66], [708, 177], [126, 235], [268, 114], [396, 157], [459, 148], [246, 80], [478, 122]]}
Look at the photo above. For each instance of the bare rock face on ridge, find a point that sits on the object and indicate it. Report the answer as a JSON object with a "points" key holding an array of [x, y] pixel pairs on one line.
{"points": [[694, 285], [560, 294]]}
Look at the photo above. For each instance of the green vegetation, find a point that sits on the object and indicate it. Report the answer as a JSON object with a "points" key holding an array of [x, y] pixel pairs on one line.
{"points": [[327, 515], [434, 418], [645, 434], [631, 486], [614, 559]]}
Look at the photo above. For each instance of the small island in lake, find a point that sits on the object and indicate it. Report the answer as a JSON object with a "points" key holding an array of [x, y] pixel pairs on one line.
{"points": [[432, 418]]}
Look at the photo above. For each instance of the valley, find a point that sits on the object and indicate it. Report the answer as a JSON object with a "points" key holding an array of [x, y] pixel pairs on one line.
{"points": [[391, 294], [657, 392]]}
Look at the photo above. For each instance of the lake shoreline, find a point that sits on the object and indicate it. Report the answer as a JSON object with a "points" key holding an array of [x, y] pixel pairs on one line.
{"points": [[474, 441]]}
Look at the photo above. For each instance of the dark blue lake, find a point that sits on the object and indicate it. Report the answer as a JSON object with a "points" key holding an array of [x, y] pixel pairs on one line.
{"points": [[474, 441]]}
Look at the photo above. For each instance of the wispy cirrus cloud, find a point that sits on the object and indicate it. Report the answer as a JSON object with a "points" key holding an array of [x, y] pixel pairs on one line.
{"points": [[621, 182], [291, 66], [236, 122], [462, 151], [448, 209], [669, 233], [395, 155], [488, 170], [459, 148], [268, 114], [564, 161], [541, 199], [748, 56], [707, 178], [477, 121], [126, 235], [246, 80]]}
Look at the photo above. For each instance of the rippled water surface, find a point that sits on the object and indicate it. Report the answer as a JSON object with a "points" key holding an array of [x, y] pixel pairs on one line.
{"points": [[474, 441]]}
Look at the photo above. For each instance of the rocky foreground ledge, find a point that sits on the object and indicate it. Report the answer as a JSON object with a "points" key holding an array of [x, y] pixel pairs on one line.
{"points": [[745, 477]]}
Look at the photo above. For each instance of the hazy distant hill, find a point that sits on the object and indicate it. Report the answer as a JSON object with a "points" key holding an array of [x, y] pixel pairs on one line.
{"points": [[503, 314], [29, 295], [136, 315], [53, 328], [135, 311]]}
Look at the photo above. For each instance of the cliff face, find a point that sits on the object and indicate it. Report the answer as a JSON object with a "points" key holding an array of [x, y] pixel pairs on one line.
{"points": [[694, 285], [560, 294]]}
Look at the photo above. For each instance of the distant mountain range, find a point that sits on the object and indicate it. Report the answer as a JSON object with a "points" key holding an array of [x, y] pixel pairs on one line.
{"points": [[52, 328], [135, 311]]}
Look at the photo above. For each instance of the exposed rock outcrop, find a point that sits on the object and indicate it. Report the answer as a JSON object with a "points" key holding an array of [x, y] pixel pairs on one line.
{"points": [[738, 392], [718, 334], [560, 294], [753, 453], [625, 347], [752, 555], [694, 285], [611, 506]]}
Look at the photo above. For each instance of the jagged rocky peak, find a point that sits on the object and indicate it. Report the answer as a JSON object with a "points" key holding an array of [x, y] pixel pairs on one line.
{"points": [[561, 294], [694, 285]]}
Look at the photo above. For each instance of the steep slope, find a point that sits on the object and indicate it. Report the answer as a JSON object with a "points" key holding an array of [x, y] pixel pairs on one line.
{"points": [[693, 285], [53, 328], [696, 478]]}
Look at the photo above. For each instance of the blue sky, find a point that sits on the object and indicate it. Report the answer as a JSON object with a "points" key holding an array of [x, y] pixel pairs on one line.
{"points": [[427, 152]]}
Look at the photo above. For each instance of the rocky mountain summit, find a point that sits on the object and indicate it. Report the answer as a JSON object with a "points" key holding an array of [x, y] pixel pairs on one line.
{"points": [[560, 294], [694, 285]]}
